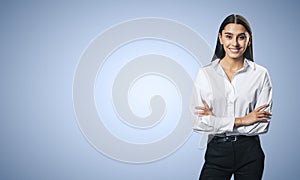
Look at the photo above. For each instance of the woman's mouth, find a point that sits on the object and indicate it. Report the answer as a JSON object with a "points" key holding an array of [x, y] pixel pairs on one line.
{"points": [[234, 50]]}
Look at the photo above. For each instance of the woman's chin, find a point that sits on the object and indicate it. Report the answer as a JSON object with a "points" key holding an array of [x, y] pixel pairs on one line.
{"points": [[235, 56]]}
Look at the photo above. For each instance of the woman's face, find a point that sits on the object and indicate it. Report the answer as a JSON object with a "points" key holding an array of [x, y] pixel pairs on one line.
{"points": [[235, 40]]}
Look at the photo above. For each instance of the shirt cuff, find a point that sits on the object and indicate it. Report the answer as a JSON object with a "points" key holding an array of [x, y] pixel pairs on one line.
{"points": [[224, 124], [214, 125]]}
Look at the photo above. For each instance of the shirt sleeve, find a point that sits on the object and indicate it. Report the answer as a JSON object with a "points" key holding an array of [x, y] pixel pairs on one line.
{"points": [[207, 124], [264, 97]]}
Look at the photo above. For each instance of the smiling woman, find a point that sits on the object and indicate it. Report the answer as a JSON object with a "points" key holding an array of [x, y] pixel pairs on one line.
{"points": [[235, 40], [242, 24], [232, 103]]}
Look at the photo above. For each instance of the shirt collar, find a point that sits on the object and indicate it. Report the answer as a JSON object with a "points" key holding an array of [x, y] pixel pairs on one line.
{"points": [[247, 63]]}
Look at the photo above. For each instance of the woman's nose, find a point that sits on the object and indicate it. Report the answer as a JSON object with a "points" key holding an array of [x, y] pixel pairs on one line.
{"points": [[235, 42]]}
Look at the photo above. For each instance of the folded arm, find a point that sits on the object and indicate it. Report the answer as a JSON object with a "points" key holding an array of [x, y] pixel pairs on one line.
{"points": [[255, 122]]}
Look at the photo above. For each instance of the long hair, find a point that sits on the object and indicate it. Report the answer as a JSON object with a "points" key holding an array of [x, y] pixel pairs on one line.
{"points": [[236, 19]]}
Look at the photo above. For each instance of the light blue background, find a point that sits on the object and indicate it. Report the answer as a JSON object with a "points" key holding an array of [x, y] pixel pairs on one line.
{"points": [[41, 43]]}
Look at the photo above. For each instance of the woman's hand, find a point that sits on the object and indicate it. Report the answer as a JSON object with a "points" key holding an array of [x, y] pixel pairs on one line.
{"points": [[257, 115], [203, 110]]}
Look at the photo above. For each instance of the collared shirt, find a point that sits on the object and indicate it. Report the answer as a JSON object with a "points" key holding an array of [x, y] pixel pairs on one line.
{"points": [[249, 88]]}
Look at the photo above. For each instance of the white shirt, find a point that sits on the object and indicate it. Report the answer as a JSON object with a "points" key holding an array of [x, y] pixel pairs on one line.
{"points": [[250, 88]]}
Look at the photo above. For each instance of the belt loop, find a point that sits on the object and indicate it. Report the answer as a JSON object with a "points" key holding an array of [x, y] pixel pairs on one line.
{"points": [[235, 139]]}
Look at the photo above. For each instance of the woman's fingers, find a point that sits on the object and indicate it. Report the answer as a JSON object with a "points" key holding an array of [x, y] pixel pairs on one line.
{"points": [[263, 120], [203, 107], [264, 114], [198, 113], [202, 111], [205, 104], [200, 108], [261, 107], [267, 114]]}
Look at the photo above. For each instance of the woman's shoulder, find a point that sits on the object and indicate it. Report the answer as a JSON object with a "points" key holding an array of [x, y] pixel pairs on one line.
{"points": [[257, 67], [210, 65], [204, 70]]}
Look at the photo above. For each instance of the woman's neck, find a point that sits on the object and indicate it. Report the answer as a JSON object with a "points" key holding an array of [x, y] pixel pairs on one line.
{"points": [[232, 64]]}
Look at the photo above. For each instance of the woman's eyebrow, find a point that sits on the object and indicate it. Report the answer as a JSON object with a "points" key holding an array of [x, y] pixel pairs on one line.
{"points": [[229, 33]]}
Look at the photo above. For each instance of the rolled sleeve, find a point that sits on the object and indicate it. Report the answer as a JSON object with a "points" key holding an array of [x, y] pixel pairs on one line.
{"points": [[213, 125], [265, 97], [208, 124]]}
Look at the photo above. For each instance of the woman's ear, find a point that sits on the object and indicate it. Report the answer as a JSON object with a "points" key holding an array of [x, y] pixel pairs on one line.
{"points": [[220, 38], [249, 41]]}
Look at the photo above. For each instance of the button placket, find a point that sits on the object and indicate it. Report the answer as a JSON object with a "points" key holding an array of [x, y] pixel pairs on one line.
{"points": [[230, 98]]}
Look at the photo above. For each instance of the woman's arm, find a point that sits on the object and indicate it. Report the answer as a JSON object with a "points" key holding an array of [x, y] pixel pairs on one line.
{"points": [[203, 118], [258, 115], [257, 121], [209, 123]]}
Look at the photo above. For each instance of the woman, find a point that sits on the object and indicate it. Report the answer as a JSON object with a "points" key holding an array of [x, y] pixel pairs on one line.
{"points": [[232, 103]]}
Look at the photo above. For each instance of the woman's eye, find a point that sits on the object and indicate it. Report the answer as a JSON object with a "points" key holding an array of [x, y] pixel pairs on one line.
{"points": [[242, 37], [228, 36]]}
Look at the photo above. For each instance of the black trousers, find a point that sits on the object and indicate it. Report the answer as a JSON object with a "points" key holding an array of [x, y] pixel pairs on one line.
{"points": [[243, 158]]}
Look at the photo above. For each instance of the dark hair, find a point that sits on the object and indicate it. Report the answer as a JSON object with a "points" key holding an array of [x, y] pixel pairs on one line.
{"points": [[236, 19]]}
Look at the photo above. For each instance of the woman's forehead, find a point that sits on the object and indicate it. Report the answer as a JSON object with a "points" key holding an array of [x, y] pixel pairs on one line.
{"points": [[234, 28]]}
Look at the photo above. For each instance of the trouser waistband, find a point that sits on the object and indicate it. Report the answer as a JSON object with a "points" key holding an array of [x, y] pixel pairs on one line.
{"points": [[222, 139]]}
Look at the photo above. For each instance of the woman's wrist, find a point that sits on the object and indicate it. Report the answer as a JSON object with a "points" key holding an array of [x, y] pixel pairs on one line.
{"points": [[238, 122]]}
